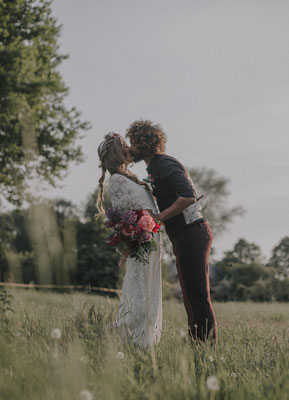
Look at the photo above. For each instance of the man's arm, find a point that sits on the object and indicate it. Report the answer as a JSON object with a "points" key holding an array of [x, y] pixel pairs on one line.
{"points": [[176, 208]]}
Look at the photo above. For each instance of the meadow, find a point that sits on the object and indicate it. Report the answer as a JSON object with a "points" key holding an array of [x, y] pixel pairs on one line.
{"points": [[64, 346]]}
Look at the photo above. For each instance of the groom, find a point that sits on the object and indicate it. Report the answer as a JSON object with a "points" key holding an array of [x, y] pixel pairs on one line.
{"points": [[188, 230]]}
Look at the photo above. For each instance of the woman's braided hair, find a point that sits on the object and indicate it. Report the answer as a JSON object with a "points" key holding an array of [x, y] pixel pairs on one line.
{"points": [[112, 159], [102, 150]]}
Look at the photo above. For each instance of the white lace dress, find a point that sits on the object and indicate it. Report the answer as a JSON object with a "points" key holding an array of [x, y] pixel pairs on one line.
{"points": [[140, 312]]}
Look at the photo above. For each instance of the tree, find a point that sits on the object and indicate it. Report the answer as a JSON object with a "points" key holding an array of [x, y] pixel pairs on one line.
{"points": [[280, 256], [53, 242], [16, 257], [214, 203], [97, 262], [37, 131], [243, 253]]}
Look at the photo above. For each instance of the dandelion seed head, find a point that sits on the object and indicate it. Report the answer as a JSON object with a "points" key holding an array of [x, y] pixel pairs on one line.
{"points": [[55, 334], [85, 395], [182, 333], [120, 355], [212, 383], [211, 358]]}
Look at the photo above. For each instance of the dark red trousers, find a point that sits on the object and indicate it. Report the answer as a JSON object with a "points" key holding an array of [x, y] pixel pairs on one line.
{"points": [[191, 247]]}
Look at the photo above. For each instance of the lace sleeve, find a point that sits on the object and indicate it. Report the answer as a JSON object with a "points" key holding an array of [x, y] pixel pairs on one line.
{"points": [[121, 193]]}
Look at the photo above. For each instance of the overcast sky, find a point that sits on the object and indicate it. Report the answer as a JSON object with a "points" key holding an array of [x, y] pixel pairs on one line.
{"points": [[213, 73]]}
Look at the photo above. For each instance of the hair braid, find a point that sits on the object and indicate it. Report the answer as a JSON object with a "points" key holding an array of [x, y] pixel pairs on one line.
{"points": [[100, 196], [103, 150]]}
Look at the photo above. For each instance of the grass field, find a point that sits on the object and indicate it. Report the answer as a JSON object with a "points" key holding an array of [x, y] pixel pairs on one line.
{"points": [[250, 361]]}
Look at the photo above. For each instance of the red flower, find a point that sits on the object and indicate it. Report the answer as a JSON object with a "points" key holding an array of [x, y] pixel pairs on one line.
{"points": [[156, 228]]}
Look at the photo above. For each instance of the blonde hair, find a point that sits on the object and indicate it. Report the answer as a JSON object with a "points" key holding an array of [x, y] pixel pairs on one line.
{"points": [[112, 159]]}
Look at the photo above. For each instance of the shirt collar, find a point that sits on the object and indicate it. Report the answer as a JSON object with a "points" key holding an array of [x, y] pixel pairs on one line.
{"points": [[153, 162]]}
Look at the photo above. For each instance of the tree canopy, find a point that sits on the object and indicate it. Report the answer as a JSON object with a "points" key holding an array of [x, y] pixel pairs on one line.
{"points": [[37, 130], [214, 203], [280, 256]]}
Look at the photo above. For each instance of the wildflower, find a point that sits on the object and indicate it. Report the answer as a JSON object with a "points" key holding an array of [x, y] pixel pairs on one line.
{"points": [[211, 358], [234, 375], [120, 355], [212, 383], [55, 334], [85, 395], [182, 333]]}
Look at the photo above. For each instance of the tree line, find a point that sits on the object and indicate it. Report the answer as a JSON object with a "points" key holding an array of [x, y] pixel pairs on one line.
{"points": [[83, 257]]}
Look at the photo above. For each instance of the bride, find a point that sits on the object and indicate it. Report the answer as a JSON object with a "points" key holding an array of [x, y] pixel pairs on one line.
{"points": [[139, 315]]}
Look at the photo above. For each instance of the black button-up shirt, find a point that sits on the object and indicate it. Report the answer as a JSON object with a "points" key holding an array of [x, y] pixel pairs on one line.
{"points": [[170, 180]]}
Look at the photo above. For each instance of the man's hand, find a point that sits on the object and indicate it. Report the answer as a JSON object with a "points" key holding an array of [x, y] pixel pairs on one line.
{"points": [[156, 217]]}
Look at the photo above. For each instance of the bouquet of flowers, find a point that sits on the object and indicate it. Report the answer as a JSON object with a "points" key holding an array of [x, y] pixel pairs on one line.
{"points": [[132, 233]]}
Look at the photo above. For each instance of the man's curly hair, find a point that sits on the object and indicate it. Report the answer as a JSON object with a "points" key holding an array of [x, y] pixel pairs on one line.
{"points": [[149, 137]]}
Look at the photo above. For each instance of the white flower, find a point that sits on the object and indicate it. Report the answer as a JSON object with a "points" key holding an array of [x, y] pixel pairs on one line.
{"points": [[85, 395], [120, 355], [55, 334], [211, 358], [234, 375], [212, 383], [182, 333]]}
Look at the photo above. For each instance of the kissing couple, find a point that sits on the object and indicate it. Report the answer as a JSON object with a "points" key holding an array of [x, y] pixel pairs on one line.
{"points": [[139, 315]]}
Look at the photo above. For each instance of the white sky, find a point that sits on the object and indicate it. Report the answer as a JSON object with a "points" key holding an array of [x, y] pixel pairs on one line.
{"points": [[214, 74]]}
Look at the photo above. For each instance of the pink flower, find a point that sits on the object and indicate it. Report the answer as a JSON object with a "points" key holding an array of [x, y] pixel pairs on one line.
{"points": [[146, 223], [127, 231], [145, 213]]}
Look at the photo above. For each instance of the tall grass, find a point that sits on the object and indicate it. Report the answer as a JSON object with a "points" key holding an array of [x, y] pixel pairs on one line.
{"points": [[250, 361]]}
